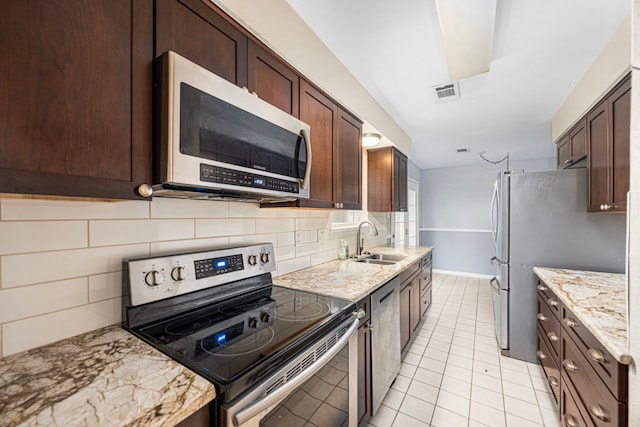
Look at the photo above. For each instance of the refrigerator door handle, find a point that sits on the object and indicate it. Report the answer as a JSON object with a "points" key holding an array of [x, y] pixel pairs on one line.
{"points": [[493, 213]]}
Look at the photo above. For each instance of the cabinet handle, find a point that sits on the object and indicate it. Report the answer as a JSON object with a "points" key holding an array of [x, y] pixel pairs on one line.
{"points": [[597, 411], [541, 317], [541, 355], [596, 355], [605, 207], [542, 288], [570, 421], [552, 302], [552, 336], [566, 162], [570, 366], [569, 322], [554, 381]]}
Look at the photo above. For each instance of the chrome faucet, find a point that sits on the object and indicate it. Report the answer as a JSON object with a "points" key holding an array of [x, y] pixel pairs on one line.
{"points": [[360, 243]]}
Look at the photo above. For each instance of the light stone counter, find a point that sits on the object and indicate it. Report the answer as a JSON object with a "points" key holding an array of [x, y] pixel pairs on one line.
{"points": [[599, 302], [350, 279], [105, 377]]}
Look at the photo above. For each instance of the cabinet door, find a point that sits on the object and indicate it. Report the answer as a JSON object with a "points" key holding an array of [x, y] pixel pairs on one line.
{"points": [[380, 180], [578, 141], [399, 182], [620, 125], [194, 30], [272, 80], [405, 307], [348, 162], [597, 134], [320, 113], [564, 152], [75, 104], [414, 312], [364, 373]]}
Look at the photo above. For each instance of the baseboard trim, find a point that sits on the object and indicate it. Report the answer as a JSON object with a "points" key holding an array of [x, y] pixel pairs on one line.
{"points": [[463, 273]]}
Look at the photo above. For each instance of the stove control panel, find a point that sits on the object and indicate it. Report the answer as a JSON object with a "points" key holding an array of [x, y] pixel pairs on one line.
{"points": [[154, 278]]}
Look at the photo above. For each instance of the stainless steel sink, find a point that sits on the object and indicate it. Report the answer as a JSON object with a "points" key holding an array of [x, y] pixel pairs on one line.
{"points": [[381, 259]]}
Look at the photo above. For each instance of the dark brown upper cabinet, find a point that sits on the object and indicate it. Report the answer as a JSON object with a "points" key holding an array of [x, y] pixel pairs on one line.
{"points": [[387, 180], [75, 104], [273, 81], [196, 31], [572, 147], [608, 136], [336, 168]]}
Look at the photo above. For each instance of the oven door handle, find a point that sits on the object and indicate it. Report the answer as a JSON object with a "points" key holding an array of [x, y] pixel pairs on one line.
{"points": [[257, 404]]}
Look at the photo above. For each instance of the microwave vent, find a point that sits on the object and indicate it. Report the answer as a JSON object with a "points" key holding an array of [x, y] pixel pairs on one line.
{"points": [[446, 92]]}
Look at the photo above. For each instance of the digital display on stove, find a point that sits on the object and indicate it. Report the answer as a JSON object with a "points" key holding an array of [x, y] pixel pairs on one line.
{"points": [[213, 266]]}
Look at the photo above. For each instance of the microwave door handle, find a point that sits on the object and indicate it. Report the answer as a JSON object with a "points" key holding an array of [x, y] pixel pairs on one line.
{"points": [[307, 172]]}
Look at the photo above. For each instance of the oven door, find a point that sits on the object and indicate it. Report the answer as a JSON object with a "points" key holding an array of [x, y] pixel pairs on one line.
{"points": [[317, 386]]}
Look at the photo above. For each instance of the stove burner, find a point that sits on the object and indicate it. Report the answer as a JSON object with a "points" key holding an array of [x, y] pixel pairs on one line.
{"points": [[246, 345], [186, 327], [310, 311]]}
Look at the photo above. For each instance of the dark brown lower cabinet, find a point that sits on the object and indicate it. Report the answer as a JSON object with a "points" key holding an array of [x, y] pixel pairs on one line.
{"points": [[590, 385], [200, 418]]}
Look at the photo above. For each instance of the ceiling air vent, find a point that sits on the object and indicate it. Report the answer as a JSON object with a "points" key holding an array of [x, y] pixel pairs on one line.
{"points": [[446, 92]]}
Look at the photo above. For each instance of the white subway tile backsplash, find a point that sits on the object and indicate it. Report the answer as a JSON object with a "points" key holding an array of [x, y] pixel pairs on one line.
{"points": [[276, 225], [311, 223], [36, 331], [38, 236], [105, 286], [184, 208], [162, 248], [19, 270], [286, 239], [295, 264], [27, 301], [32, 209], [61, 261], [224, 227], [251, 210], [253, 239], [123, 232], [284, 253]]}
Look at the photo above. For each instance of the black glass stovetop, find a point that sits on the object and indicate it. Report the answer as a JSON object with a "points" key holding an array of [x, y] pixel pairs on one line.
{"points": [[237, 342]]}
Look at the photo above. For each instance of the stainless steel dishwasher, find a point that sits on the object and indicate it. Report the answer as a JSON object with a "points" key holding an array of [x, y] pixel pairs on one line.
{"points": [[385, 339]]}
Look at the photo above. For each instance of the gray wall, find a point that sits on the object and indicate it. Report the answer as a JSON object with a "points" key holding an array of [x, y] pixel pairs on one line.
{"points": [[414, 171], [454, 213]]}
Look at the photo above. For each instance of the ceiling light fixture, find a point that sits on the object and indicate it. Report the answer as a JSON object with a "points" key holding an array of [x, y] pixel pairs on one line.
{"points": [[370, 139], [467, 33]]}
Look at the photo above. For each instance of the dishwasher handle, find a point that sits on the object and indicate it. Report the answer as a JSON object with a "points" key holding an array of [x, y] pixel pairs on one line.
{"points": [[387, 295]]}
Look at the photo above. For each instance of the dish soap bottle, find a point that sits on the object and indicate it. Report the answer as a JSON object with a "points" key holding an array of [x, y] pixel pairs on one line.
{"points": [[343, 252]]}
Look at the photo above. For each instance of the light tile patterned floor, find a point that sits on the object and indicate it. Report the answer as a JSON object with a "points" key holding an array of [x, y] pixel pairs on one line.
{"points": [[454, 375]]}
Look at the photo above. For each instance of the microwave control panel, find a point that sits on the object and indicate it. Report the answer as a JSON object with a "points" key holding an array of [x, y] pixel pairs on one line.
{"points": [[218, 175]]}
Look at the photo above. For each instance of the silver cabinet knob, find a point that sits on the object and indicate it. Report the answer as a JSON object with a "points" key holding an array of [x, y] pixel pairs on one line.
{"points": [[541, 317], [552, 302], [552, 336], [541, 355], [596, 355], [569, 322], [569, 365], [597, 411]]}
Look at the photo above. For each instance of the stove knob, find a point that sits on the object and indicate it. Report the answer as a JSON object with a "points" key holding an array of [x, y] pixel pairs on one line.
{"points": [[179, 273], [264, 257], [265, 317], [153, 278], [253, 260], [253, 322]]}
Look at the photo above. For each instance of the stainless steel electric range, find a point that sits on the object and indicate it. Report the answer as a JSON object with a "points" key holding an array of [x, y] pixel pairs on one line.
{"points": [[277, 356]]}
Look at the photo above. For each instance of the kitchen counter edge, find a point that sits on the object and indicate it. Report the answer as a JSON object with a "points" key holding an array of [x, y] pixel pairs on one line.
{"points": [[105, 377], [349, 279], [586, 293]]}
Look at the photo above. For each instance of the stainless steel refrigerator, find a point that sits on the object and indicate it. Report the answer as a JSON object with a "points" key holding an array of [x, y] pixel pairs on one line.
{"points": [[541, 219]]}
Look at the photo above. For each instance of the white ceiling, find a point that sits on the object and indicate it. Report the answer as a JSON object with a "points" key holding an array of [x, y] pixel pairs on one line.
{"points": [[541, 50]]}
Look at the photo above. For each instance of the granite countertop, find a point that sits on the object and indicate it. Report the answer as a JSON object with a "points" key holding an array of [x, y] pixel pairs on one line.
{"points": [[106, 377], [349, 279], [598, 300]]}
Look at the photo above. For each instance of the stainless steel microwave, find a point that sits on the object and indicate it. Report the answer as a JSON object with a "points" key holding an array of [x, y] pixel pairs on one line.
{"points": [[218, 141]]}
